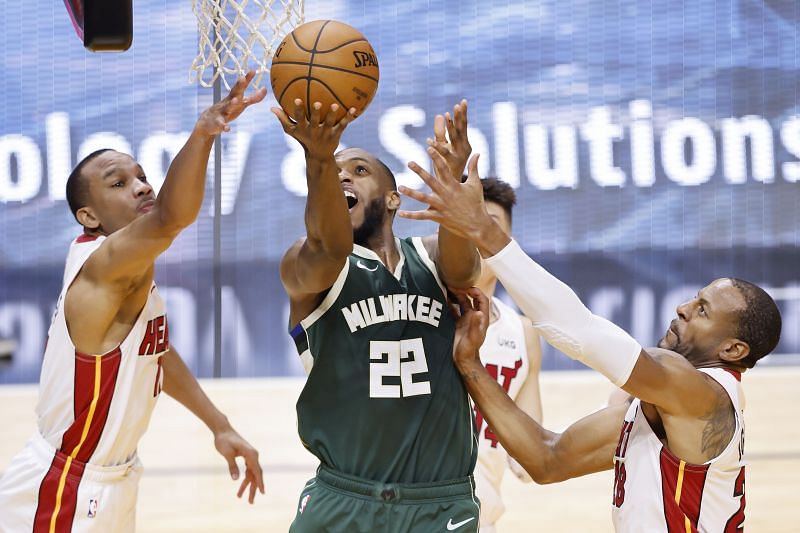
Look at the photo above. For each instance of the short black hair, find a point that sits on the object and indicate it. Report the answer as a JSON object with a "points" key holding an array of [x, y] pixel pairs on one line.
{"points": [[498, 191], [759, 322], [78, 186], [389, 173]]}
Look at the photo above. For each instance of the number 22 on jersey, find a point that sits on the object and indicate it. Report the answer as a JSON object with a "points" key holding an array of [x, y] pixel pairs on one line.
{"points": [[404, 359]]}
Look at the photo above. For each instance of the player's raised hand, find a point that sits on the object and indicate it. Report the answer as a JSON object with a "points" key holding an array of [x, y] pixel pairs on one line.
{"points": [[457, 206], [472, 308], [450, 138], [231, 445], [319, 133], [218, 117]]}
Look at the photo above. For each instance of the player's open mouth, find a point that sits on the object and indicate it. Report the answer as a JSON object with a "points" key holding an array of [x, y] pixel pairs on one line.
{"points": [[351, 198]]}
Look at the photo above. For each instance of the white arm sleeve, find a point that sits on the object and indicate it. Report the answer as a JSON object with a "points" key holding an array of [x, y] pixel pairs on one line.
{"points": [[562, 319]]}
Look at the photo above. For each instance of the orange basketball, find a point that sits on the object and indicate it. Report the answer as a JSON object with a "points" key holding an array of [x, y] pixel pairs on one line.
{"points": [[325, 61]]}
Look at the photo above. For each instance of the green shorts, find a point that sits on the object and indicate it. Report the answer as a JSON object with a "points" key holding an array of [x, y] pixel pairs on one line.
{"points": [[335, 502]]}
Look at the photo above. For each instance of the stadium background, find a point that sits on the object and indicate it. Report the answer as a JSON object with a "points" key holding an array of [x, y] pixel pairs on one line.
{"points": [[654, 147]]}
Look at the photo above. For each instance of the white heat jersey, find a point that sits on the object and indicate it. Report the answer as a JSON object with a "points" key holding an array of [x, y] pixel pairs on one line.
{"points": [[505, 357], [95, 408], [654, 491]]}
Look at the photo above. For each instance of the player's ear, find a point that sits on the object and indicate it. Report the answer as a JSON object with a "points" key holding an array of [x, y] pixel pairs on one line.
{"points": [[87, 218], [733, 350], [392, 200]]}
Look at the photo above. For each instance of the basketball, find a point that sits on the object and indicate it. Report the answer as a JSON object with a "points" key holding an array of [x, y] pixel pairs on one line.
{"points": [[325, 61]]}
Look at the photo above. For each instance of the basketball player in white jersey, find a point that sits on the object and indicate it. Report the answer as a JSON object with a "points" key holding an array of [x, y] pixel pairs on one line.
{"points": [[512, 355], [678, 449], [108, 354]]}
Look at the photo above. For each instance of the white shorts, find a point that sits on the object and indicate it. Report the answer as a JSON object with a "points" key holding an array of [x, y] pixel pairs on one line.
{"points": [[492, 507], [36, 494]]}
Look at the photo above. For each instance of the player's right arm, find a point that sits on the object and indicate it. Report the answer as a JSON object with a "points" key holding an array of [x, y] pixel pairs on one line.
{"points": [[585, 447], [658, 377], [312, 264], [128, 253]]}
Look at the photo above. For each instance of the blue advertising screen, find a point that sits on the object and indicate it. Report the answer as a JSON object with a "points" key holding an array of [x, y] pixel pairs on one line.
{"points": [[653, 146]]}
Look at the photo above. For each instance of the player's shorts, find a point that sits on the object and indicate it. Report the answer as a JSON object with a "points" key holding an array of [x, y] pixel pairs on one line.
{"points": [[492, 507], [334, 502], [37, 495]]}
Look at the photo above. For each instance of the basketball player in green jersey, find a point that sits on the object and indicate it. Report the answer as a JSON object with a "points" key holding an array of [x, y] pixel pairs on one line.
{"points": [[383, 408]]}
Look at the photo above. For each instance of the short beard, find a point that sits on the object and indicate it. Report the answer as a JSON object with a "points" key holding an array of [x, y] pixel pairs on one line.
{"points": [[374, 215]]}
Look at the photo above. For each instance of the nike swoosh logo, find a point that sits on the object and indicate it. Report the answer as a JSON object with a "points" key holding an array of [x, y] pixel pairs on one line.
{"points": [[452, 527], [359, 264]]}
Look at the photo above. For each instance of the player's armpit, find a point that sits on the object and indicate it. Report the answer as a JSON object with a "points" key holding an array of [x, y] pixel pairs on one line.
{"points": [[667, 380]]}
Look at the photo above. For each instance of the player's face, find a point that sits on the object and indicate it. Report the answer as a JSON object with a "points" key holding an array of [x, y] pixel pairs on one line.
{"points": [[365, 187], [705, 322], [500, 216], [118, 191]]}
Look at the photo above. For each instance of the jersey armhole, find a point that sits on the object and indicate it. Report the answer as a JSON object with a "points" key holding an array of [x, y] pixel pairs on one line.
{"points": [[422, 252], [331, 297]]}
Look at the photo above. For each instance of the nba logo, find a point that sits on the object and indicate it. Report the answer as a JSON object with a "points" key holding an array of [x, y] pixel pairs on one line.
{"points": [[92, 508], [304, 502]]}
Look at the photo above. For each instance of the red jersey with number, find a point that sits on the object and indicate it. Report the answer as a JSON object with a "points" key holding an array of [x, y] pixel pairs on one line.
{"points": [[655, 491], [95, 408]]}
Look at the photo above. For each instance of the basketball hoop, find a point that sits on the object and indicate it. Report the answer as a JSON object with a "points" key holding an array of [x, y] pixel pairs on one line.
{"points": [[240, 35]]}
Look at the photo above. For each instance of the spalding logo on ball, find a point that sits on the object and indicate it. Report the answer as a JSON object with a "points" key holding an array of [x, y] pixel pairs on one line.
{"points": [[325, 61]]}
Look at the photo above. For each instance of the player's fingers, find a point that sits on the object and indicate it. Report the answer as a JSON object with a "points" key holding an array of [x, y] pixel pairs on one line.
{"points": [[233, 468], [441, 147], [242, 487], [460, 115], [472, 169], [426, 176], [416, 195], [254, 468], [479, 300], [298, 113], [256, 97], [330, 118], [283, 119], [441, 167], [347, 119], [452, 131], [428, 214], [439, 128], [316, 112], [252, 496]]}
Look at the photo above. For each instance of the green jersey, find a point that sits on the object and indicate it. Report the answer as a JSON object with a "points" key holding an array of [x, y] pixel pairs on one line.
{"points": [[383, 400]]}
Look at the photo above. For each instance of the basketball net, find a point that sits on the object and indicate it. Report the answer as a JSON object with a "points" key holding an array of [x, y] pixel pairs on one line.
{"points": [[240, 35]]}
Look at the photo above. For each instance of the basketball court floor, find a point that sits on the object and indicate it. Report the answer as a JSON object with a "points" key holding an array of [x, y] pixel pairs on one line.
{"points": [[186, 486]]}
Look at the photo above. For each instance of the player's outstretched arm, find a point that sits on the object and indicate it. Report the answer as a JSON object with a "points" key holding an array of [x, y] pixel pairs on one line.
{"points": [[129, 252], [559, 315], [312, 264], [585, 447], [181, 385], [455, 255]]}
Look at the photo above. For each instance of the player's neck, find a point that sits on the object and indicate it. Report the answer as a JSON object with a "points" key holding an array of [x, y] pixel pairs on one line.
{"points": [[384, 245]]}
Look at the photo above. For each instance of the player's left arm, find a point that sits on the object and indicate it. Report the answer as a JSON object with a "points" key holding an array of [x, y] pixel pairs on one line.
{"points": [[184, 388], [456, 259], [529, 398]]}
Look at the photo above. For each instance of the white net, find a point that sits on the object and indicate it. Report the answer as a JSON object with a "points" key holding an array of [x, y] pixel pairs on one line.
{"points": [[240, 35]]}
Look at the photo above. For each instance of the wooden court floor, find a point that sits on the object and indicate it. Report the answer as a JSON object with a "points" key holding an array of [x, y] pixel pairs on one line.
{"points": [[186, 487]]}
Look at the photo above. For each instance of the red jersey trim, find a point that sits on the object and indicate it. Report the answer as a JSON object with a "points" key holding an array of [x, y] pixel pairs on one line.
{"points": [[734, 373], [682, 487], [85, 238], [94, 383]]}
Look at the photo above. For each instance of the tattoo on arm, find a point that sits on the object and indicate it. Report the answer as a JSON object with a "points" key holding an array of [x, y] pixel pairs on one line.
{"points": [[720, 425]]}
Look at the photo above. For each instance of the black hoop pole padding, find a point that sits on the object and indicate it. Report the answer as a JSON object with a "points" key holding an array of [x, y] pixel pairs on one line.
{"points": [[107, 25]]}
